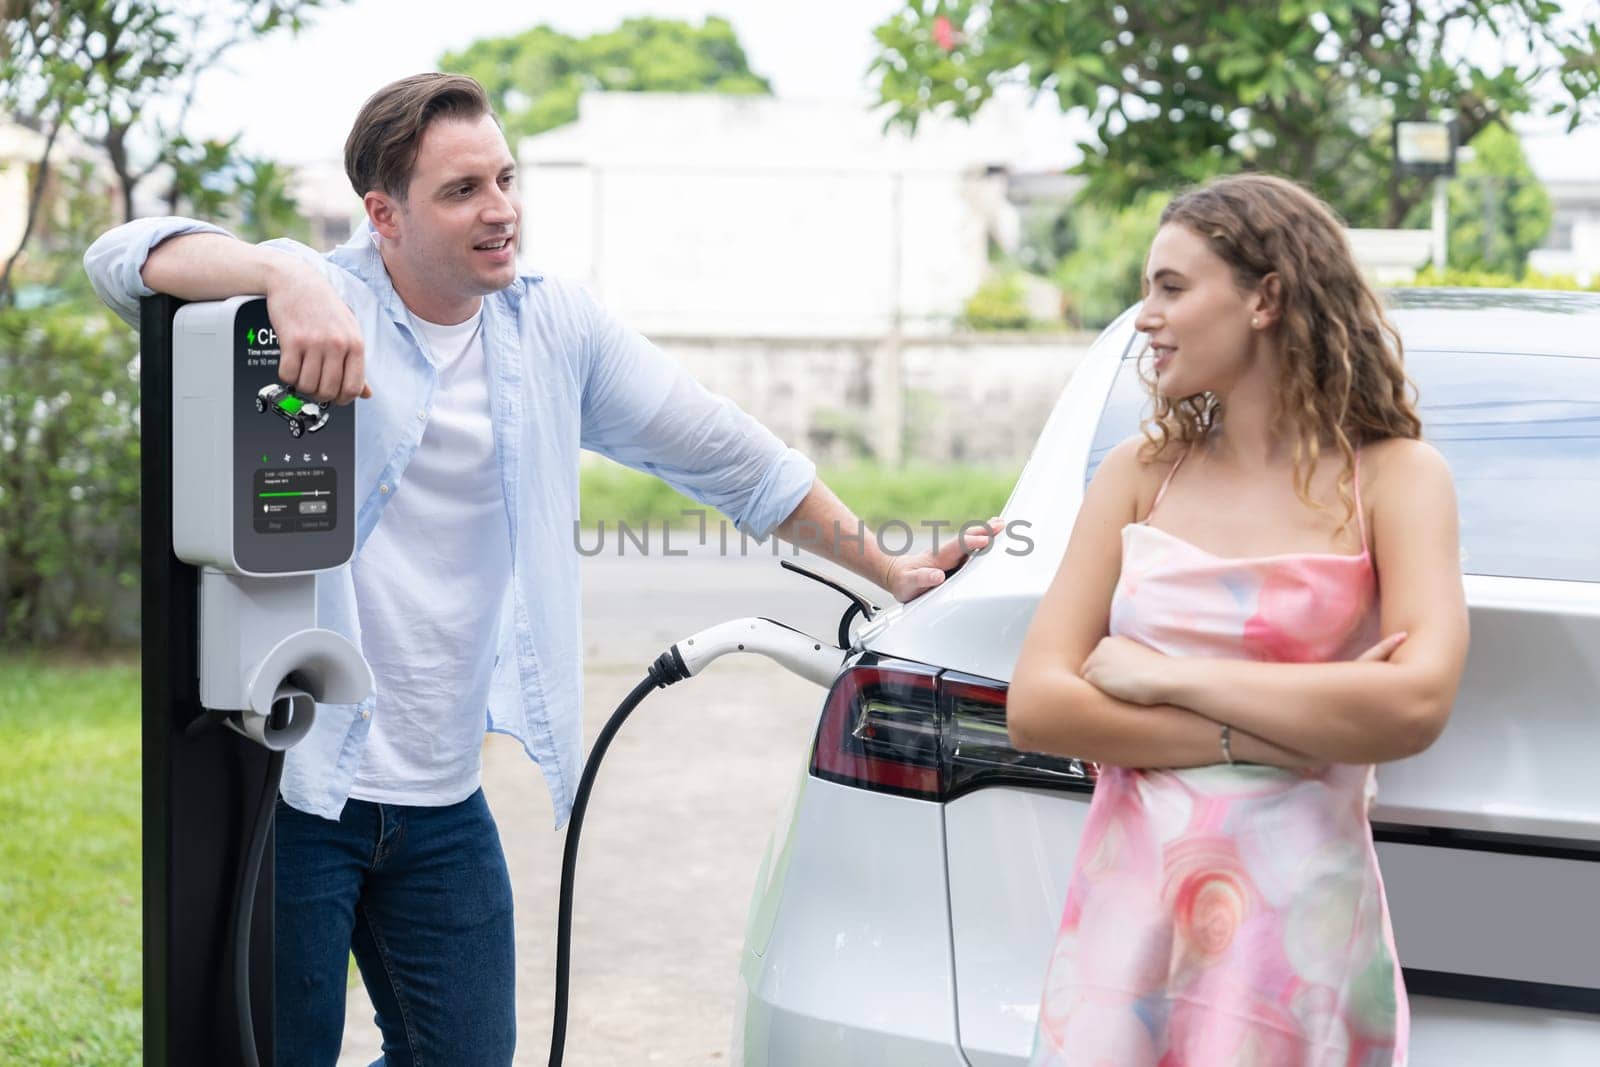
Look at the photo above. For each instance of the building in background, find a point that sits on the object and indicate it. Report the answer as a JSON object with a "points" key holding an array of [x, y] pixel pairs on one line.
{"points": [[727, 215], [331, 209], [20, 149], [1569, 166]]}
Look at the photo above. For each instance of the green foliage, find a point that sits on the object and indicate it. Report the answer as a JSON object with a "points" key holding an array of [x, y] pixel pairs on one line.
{"points": [[999, 304], [52, 271], [922, 492], [912, 494], [535, 77], [265, 207], [1499, 210], [1101, 276], [212, 180], [70, 963], [97, 67], [1185, 90], [69, 477], [1485, 279]]}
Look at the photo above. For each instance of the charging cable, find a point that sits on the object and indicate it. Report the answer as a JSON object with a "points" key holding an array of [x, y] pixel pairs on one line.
{"points": [[801, 653], [249, 874], [244, 907]]}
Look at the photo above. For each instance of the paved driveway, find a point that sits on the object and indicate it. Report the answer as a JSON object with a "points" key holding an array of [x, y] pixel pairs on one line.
{"points": [[678, 823]]}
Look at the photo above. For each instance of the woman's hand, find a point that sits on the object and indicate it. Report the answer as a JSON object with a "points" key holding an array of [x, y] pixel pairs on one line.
{"points": [[1123, 668]]}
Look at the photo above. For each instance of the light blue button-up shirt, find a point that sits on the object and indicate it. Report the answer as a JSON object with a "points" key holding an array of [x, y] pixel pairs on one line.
{"points": [[563, 375]]}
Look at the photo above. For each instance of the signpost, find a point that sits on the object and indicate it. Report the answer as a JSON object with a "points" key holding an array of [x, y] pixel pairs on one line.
{"points": [[1428, 149]]}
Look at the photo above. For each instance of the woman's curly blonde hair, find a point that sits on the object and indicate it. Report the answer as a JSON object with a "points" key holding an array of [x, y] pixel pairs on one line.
{"points": [[1343, 372]]}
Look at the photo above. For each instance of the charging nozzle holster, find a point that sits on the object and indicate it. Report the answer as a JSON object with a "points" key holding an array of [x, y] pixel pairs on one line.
{"points": [[263, 659]]}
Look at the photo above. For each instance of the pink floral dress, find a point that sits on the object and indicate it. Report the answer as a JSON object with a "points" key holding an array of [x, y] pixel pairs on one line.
{"points": [[1229, 916]]}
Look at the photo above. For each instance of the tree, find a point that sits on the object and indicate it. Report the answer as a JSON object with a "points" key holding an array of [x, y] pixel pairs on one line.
{"points": [[1499, 210], [1101, 276], [94, 66], [69, 478], [1184, 90], [251, 195], [535, 78]]}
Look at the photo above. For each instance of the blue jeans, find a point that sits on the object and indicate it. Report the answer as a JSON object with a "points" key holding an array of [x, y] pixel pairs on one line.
{"points": [[422, 896]]}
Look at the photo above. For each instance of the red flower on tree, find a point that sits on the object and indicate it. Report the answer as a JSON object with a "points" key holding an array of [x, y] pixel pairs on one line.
{"points": [[944, 33]]}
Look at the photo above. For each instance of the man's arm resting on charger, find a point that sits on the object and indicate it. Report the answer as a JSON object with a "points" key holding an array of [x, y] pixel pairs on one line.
{"points": [[322, 350]]}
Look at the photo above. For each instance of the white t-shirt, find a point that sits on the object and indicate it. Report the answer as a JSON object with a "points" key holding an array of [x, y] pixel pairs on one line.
{"points": [[430, 585]]}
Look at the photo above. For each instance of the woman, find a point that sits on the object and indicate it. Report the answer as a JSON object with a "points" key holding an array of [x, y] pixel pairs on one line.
{"points": [[1225, 908]]}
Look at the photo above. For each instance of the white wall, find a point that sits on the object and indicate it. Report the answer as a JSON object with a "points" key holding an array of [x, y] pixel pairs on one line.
{"points": [[697, 213]]}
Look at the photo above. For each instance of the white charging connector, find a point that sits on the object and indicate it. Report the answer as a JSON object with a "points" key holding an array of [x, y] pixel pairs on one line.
{"points": [[812, 659]]}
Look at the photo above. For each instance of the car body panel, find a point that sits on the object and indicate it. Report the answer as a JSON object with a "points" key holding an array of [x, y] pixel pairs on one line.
{"points": [[1531, 762], [1461, 1033], [857, 966], [1007, 885]]}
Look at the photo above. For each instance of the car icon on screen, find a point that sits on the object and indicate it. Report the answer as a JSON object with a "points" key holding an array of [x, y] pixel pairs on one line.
{"points": [[302, 415]]}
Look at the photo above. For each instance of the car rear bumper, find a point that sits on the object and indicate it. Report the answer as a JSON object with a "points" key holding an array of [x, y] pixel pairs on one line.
{"points": [[847, 956]]}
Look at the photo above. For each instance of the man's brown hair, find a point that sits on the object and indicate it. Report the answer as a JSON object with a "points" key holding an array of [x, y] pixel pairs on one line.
{"points": [[382, 146]]}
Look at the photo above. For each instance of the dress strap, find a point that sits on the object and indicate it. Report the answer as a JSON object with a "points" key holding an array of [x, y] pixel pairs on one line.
{"points": [[1163, 490], [1361, 514]]}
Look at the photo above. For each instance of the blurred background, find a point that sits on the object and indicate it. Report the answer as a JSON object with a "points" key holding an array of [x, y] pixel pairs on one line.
{"points": [[887, 228]]}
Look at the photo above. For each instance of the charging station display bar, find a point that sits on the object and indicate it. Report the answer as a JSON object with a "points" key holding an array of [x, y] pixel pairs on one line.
{"points": [[295, 500]]}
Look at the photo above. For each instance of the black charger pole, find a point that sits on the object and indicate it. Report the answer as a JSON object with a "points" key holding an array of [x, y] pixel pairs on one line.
{"points": [[200, 789]]}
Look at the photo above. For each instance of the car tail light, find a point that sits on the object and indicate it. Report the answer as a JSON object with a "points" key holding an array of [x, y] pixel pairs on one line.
{"points": [[906, 728]]}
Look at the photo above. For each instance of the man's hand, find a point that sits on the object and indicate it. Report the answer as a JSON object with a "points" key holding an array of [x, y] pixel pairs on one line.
{"points": [[322, 353], [908, 577]]}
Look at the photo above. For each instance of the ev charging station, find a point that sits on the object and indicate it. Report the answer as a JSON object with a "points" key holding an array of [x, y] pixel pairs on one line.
{"points": [[248, 492]]}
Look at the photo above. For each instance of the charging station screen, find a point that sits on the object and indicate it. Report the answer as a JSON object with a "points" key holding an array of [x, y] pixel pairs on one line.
{"points": [[293, 461]]}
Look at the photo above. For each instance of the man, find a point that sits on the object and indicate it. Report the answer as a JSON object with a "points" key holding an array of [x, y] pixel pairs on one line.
{"points": [[464, 593]]}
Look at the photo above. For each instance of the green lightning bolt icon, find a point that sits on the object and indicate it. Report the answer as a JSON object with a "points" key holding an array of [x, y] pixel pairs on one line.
{"points": [[250, 337]]}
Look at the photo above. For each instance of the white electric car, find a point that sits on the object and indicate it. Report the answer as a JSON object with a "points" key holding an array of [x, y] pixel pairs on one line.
{"points": [[911, 892]]}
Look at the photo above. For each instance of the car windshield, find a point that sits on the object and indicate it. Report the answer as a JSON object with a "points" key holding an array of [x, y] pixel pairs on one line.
{"points": [[1522, 436]]}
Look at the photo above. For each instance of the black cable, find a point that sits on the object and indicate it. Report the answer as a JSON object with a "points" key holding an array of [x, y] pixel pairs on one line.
{"points": [[244, 902], [668, 668]]}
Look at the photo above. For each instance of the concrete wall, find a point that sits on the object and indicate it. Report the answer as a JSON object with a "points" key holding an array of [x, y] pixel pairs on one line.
{"points": [[966, 399]]}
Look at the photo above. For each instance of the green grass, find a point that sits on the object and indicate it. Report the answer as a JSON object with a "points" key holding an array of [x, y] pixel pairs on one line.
{"points": [[913, 494], [70, 965]]}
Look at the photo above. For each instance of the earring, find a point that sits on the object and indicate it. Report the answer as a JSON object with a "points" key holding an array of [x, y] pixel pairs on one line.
{"points": [[1254, 321]]}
